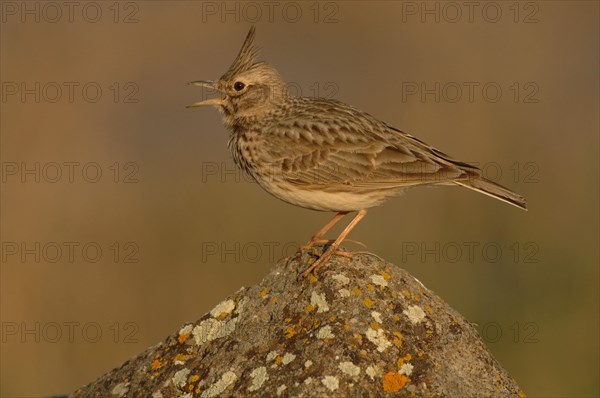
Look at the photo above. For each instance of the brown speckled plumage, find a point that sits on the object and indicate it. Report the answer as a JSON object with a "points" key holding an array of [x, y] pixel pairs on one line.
{"points": [[323, 154]]}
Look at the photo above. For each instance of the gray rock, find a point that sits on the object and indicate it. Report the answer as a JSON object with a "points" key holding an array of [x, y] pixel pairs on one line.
{"points": [[362, 328]]}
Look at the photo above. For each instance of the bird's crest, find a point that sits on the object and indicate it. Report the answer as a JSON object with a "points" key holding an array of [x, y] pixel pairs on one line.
{"points": [[246, 57]]}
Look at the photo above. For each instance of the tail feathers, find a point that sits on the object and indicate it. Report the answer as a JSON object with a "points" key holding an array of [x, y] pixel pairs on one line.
{"points": [[494, 190]]}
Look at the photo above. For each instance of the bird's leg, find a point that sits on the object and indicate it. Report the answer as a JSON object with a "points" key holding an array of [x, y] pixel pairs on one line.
{"points": [[318, 237], [336, 244]]}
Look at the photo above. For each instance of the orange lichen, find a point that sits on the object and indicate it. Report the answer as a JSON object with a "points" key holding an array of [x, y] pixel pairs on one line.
{"points": [[290, 332], [180, 357], [183, 337], [310, 308], [278, 359], [387, 275], [406, 294], [521, 394], [429, 309], [273, 299], [370, 287], [264, 292], [398, 340], [223, 315], [393, 381], [356, 291], [368, 302], [194, 378], [374, 325], [401, 361], [156, 364]]}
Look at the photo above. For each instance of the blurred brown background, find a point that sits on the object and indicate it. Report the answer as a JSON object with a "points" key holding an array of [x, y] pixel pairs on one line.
{"points": [[97, 267]]}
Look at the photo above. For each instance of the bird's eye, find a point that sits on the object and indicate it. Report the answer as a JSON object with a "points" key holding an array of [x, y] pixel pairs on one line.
{"points": [[239, 86]]}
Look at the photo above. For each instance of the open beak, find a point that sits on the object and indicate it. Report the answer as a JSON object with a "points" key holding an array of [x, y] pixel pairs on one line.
{"points": [[209, 102]]}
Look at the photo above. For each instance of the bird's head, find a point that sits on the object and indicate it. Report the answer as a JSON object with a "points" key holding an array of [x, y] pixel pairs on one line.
{"points": [[248, 89]]}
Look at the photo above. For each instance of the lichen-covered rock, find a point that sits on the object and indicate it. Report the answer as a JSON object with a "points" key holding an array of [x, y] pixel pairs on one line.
{"points": [[362, 328]]}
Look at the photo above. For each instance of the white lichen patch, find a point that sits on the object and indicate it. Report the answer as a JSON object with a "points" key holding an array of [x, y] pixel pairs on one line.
{"points": [[272, 355], [287, 358], [331, 382], [378, 338], [224, 307], [379, 280], [186, 395], [371, 371], [225, 381], [344, 292], [415, 314], [211, 329], [341, 278], [187, 329], [120, 389], [406, 369], [349, 368], [308, 380], [377, 316], [319, 301], [259, 376], [157, 394], [325, 333], [308, 364], [180, 377], [281, 389]]}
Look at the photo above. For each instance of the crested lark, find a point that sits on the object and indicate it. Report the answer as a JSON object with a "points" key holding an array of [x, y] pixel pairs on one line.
{"points": [[323, 154]]}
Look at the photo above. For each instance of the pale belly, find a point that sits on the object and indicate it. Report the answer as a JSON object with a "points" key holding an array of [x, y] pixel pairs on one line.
{"points": [[329, 201]]}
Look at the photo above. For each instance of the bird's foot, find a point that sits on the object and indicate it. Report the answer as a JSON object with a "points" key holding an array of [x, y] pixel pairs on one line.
{"points": [[331, 250], [302, 249]]}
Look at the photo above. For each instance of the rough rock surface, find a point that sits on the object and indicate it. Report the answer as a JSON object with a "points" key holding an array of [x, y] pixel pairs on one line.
{"points": [[362, 328]]}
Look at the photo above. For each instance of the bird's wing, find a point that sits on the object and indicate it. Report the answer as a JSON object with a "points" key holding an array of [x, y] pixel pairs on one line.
{"points": [[345, 149]]}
